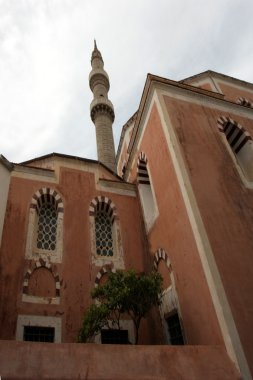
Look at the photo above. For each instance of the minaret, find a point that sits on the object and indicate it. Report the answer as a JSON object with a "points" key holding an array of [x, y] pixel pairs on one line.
{"points": [[101, 110]]}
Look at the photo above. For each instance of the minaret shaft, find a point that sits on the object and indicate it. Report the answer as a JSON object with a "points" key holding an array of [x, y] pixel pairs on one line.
{"points": [[105, 142], [101, 110]]}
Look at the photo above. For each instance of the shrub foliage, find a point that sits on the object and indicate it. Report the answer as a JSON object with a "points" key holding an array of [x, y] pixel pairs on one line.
{"points": [[126, 293]]}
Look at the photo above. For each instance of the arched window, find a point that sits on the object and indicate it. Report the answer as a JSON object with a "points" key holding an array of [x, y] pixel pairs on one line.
{"points": [[45, 228], [169, 308], [240, 143], [106, 243], [148, 202]]}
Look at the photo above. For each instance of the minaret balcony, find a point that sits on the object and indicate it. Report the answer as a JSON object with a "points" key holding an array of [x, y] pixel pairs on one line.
{"points": [[101, 106]]}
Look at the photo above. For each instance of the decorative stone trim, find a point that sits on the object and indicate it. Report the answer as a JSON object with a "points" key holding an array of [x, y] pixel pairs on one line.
{"points": [[102, 109], [244, 102], [105, 269], [41, 264], [47, 195], [105, 204], [235, 134], [142, 172], [160, 254]]}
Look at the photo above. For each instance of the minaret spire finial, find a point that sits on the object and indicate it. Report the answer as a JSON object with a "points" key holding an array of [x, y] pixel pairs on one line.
{"points": [[96, 53]]}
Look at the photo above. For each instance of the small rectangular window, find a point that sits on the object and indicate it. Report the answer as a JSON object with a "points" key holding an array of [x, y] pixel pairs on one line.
{"points": [[38, 334], [114, 336], [175, 331]]}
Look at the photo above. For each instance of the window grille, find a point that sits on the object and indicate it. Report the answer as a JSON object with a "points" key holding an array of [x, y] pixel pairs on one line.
{"points": [[47, 227], [104, 240], [38, 334]]}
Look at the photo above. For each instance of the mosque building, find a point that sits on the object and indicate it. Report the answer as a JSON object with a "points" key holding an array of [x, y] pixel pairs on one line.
{"points": [[177, 197]]}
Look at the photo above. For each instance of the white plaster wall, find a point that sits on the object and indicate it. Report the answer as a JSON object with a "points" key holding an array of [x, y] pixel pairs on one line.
{"points": [[4, 189]]}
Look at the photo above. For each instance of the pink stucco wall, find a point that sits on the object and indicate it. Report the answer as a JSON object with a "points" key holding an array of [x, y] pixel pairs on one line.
{"points": [[172, 232], [224, 202], [24, 360], [76, 272]]}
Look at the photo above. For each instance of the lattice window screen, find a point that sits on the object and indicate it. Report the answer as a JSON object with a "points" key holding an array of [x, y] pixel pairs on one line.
{"points": [[47, 227], [104, 240]]}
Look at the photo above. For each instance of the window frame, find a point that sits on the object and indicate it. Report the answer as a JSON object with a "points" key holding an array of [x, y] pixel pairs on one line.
{"points": [[169, 328], [104, 203], [38, 320], [146, 192], [169, 300], [245, 172], [37, 331], [32, 252]]}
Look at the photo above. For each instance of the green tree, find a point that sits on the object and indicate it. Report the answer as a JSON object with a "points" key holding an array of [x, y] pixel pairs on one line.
{"points": [[124, 293]]}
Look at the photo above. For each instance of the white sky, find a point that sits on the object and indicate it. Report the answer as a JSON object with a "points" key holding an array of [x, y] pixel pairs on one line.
{"points": [[45, 50]]}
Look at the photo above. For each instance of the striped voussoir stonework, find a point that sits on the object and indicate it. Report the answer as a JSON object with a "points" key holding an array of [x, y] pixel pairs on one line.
{"points": [[160, 254], [235, 134], [142, 171], [245, 102], [41, 264], [47, 195], [103, 204], [103, 270]]}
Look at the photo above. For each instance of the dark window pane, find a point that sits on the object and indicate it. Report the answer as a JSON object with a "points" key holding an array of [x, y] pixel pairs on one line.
{"points": [[114, 336], [174, 328], [38, 334]]}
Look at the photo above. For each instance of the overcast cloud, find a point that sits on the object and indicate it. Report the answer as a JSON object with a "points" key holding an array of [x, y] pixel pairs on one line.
{"points": [[45, 50]]}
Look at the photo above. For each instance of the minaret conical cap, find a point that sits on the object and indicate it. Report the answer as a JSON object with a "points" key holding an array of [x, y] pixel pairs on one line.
{"points": [[96, 53]]}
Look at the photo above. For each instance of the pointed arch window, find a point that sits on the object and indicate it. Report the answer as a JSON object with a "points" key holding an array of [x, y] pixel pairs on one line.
{"points": [[240, 143], [106, 242], [147, 197], [45, 228], [169, 308]]}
